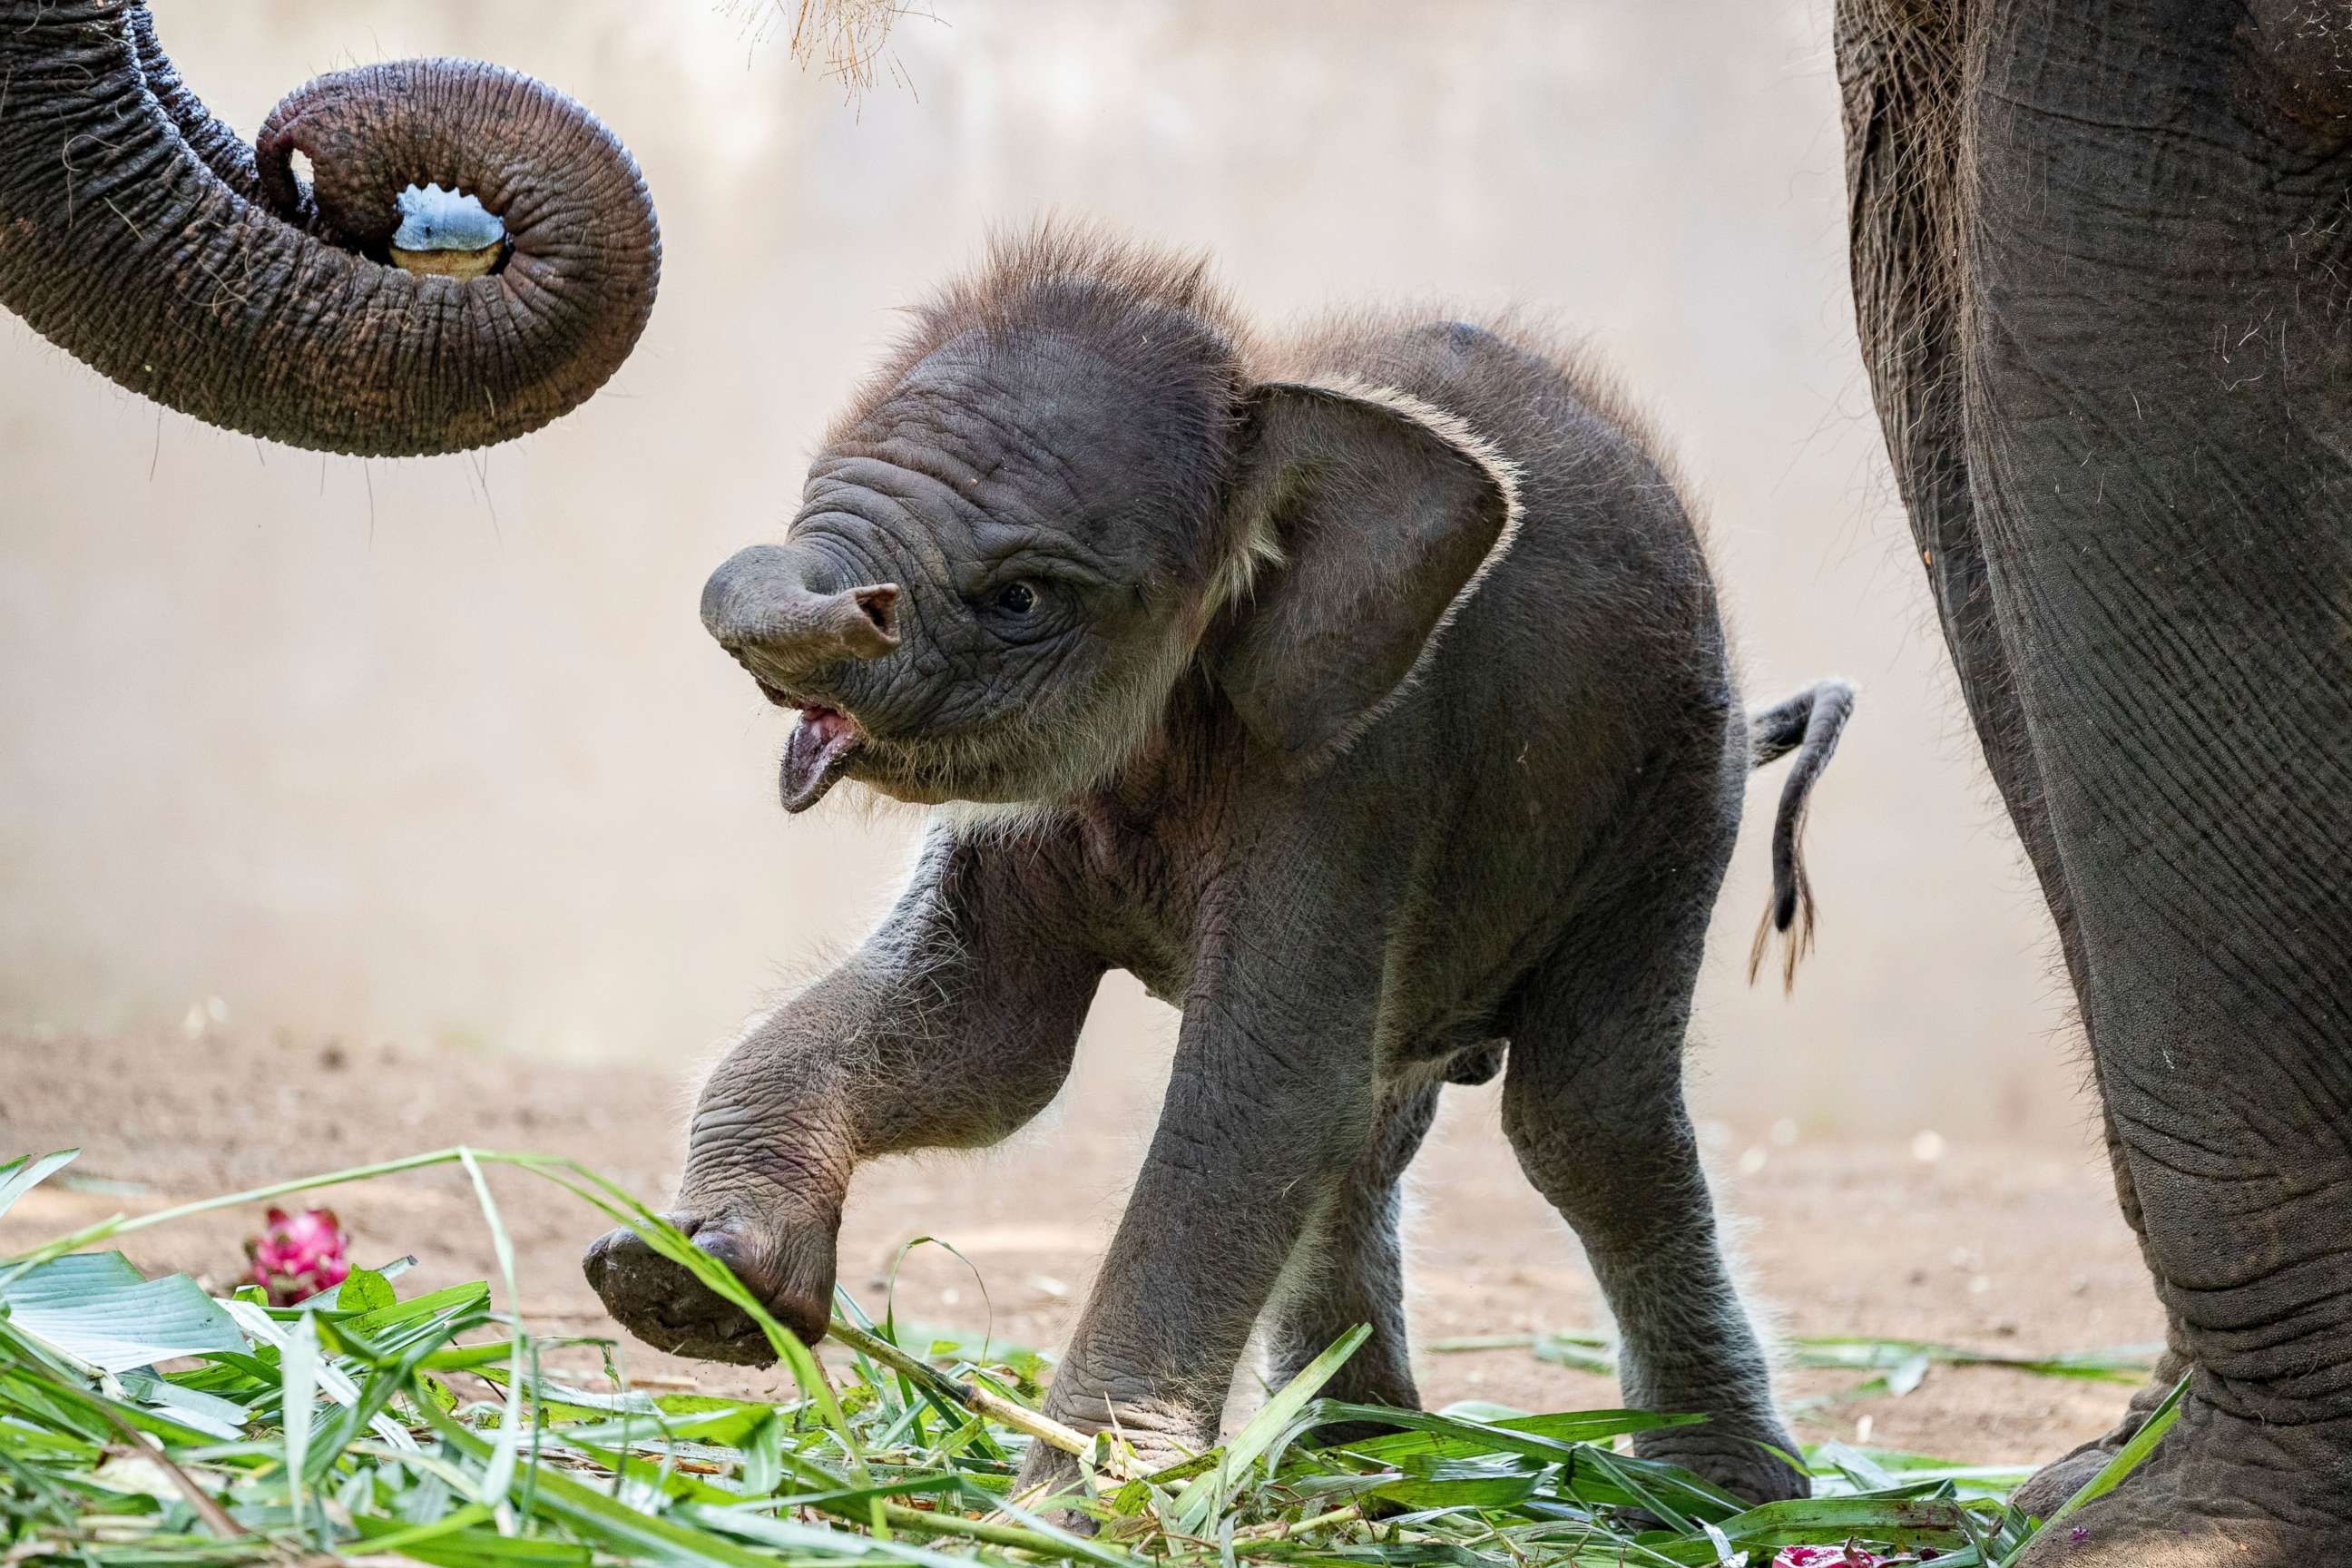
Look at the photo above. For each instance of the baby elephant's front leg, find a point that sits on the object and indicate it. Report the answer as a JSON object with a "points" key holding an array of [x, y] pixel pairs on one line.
{"points": [[1269, 1106], [949, 1029]]}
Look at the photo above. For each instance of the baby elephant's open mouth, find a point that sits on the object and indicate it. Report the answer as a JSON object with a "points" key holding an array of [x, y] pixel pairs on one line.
{"points": [[820, 746]]}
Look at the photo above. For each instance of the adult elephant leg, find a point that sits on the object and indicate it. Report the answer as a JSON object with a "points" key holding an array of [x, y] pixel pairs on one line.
{"points": [[2160, 451], [1901, 69], [2051, 1486]]}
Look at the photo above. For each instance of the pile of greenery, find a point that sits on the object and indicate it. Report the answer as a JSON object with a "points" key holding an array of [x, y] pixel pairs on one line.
{"points": [[146, 1423]]}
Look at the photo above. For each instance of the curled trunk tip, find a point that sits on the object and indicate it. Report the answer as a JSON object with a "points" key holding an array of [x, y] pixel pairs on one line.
{"points": [[188, 268]]}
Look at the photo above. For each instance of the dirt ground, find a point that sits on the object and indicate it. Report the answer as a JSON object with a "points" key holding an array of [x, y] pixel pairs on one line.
{"points": [[2006, 1250]]}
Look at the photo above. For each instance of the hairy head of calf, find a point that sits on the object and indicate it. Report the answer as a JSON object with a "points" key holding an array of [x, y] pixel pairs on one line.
{"points": [[1066, 489]]}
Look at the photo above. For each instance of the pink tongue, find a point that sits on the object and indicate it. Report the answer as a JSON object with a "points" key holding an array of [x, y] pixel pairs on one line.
{"points": [[820, 744]]}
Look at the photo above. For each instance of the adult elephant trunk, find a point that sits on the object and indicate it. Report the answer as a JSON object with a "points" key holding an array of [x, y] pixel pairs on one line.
{"points": [[139, 234]]}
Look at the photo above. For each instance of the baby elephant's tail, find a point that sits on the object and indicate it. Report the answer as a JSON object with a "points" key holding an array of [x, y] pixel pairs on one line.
{"points": [[1807, 724]]}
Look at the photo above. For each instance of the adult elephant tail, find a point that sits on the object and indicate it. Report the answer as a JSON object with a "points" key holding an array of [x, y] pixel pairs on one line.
{"points": [[139, 234], [1807, 724]]}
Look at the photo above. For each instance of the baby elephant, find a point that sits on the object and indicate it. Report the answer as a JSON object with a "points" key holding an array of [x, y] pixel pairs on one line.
{"points": [[1362, 692]]}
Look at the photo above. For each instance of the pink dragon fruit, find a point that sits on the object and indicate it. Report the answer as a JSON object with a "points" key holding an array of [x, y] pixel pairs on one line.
{"points": [[295, 1257], [1846, 1556]]}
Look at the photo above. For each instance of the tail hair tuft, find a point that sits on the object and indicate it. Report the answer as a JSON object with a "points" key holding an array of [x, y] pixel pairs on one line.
{"points": [[1810, 724]]}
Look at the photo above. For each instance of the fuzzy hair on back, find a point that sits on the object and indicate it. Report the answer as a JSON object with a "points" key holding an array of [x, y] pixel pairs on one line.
{"points": [[1329, 345]]}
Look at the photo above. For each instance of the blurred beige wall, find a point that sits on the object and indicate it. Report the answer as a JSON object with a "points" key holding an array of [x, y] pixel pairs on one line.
{"points": [[438, 749]]}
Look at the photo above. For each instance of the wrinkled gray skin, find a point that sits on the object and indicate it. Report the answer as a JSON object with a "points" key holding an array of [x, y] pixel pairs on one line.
{"points": [[144, 237], [2101, 258], [1036, 563]]}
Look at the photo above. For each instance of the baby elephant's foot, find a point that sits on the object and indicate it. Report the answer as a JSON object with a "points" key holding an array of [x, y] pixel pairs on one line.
{"points": [[1160, 1434], [787, 1266], [2217, 1490], [1736, 1454]]}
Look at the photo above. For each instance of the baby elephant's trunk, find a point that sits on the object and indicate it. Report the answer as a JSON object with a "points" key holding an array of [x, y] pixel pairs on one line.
{"points": [[765, 606], [1809, 724]]}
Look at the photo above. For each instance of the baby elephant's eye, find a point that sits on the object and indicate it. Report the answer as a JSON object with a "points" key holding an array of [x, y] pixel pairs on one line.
{"points": [[1016, 598]]}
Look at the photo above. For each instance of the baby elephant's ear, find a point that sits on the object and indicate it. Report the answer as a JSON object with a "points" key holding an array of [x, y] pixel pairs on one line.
{"points": [[1381, 510]]}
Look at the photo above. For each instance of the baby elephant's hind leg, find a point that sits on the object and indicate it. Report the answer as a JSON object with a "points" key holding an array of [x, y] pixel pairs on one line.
{"points": [[1593, 1105], [1348, 1270]]}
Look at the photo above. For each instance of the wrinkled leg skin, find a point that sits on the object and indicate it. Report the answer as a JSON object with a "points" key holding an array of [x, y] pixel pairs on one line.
{"points": [[1274, 1113], [952, 1028], [1270, 1190], [2100, 268], [1592, 1102], [1350, 1270]]}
